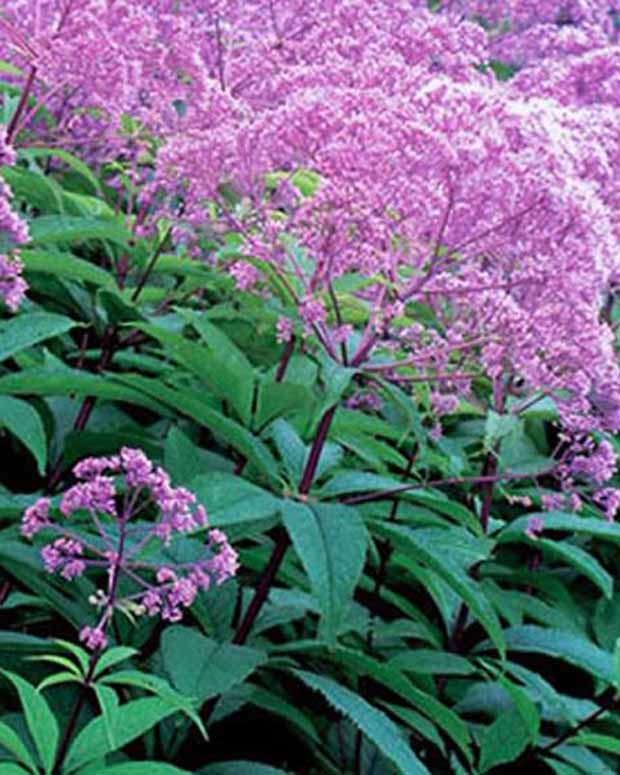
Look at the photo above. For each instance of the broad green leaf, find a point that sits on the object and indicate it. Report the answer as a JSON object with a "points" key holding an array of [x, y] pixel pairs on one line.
{"points": [[69, 159], [525, 705], [41, 722], [273, 703], [216, 361], [10, 741], [279, 400], [64, 677], [31, 328], [417, 723], [318, 533], [133, 719], [108, 702], [158, 686], [202, 668], [114, 656], [372, 722], [184, 460], [291, 449], [24, 422], [580, 560], [498, 426]]}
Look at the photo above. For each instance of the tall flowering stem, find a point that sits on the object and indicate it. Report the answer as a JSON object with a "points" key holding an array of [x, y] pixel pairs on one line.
{"points": [[282, 540], [141, 580]]}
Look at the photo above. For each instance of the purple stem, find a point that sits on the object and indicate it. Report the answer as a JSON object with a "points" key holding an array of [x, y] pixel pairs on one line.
{"points": [[282, 540], [21, 106]]}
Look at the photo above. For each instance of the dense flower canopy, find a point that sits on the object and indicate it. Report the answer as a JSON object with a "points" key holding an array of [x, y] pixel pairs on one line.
{"points": [[386, 148]]}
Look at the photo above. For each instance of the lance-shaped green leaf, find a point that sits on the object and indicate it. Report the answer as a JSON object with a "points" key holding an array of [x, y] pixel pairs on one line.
{"points": [[24, 422], [449, 553], [131, 720], [372, 722], [29, 329], [330, 540], [41, 722], [10, 741]]}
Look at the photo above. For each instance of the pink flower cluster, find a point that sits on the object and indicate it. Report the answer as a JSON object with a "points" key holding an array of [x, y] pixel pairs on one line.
{"points": [[119, 493], [13, 231], [342, 139]]}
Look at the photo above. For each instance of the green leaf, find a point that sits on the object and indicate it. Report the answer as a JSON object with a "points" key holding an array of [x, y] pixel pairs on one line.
{"points": [[41, 722], [428, 545], [273, 703], [31, 328], [601, 742], [291, 449], [498, 427], [64, 677], [72, 161], [24, 422], [133, 719], [504, 740], [71, 382], [185, 460], [427, 661], [108, 702], [580, 560], [566, 646], [66, 265], [397, 682], [372, 722], [279, 399], [216, 361], [240, 766], [558, 520], [318, 533], [159, 687], [135, 768], [202, 668], [10, 741], [114, 656], [230, 432], [67, 228], [230, 499]]}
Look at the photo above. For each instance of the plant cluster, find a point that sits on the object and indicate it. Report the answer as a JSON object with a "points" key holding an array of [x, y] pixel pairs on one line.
{"points": [[309, 340]]}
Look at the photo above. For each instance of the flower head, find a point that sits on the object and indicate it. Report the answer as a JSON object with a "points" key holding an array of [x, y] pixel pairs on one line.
{"points": [[119, 493]]}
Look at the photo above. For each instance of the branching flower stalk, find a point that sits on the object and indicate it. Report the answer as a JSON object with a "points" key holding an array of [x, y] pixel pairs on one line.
{"points": [[118, 494]]}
